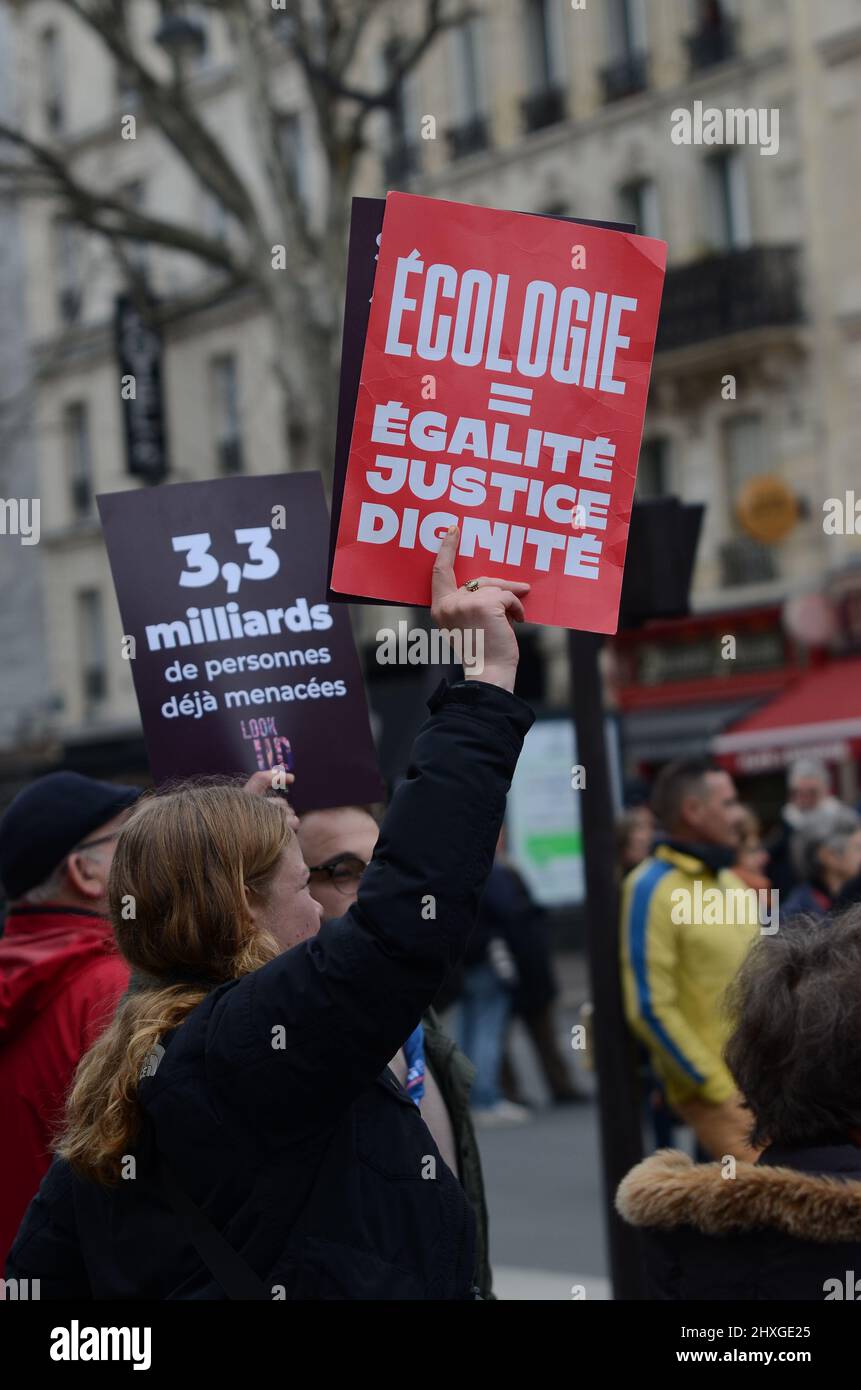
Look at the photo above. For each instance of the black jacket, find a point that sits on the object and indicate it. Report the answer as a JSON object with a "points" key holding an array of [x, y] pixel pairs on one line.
{"points": [[454, 1073], [785, 1228], [307, 1155]]}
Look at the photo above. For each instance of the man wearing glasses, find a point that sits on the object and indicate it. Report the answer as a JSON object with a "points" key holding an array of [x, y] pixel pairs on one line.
{"points": [[337, 846], [60, 975]]}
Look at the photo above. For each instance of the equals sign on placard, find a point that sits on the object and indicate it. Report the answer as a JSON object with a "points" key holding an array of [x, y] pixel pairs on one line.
{"points": [[514, 400]]}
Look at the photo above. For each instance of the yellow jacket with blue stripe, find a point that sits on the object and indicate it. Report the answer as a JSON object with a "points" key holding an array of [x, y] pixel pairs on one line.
{"points": [[677, 961]]}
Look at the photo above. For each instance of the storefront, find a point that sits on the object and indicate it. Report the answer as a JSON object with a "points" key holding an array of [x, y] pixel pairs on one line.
{"points": [[679, 684], [753, 688], [818, 716]]}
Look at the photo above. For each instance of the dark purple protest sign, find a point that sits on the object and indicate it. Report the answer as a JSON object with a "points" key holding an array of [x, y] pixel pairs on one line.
{"points": [[239, 662]]}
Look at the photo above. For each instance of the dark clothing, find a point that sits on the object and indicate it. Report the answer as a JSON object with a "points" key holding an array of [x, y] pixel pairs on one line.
{"points": [[60, 980], [785, 1228], [850, 893], [781, 870], [808, 898], [523, 923], [273, 1103], [454, 1073], [492, 917]]}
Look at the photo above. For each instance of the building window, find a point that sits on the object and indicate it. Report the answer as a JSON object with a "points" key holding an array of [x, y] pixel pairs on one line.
{"points": [[627, 71], [470, 133], [224, 379], [53, 87], [728, 206], [746, 458], [653, 469], [402, 157], [638, 203], [743, 559], [713, 38], [91, 643], [69, 277], [545, 103], [294, 153], [79, 458]]}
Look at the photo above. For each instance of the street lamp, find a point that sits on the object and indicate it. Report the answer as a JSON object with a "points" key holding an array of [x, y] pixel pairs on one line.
{"points": [[181, 37]]}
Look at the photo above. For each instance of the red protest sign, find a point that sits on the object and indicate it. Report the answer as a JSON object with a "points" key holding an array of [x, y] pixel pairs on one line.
{"points": [[503, 388]]}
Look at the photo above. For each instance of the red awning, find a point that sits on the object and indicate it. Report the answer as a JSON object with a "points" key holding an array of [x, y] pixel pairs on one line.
{"points": [[819, 715]]}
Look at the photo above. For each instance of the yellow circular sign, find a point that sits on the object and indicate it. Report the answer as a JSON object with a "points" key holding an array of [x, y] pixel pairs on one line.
{"points": [[767, 509]]}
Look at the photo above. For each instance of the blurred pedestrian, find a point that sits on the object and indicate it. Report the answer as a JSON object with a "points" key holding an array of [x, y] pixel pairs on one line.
{"points": [[338, 845], [635, 831], [486, 1002], [751, 864], [635, 834], [535, 990], [829, 851], [243, 1081], [678, 958], [809, 796], [788, 1226], [60, 973]]}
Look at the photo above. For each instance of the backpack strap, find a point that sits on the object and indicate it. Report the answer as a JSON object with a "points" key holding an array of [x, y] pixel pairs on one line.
{"points": [[227, 1267]]}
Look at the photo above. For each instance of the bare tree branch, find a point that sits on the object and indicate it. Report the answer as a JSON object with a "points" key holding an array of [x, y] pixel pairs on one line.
{"points": [[170, 108], [303, 301], [106, 214]]}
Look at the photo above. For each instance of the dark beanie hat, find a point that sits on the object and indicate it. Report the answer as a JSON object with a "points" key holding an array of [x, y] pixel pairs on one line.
{"points": [[47, 819]]}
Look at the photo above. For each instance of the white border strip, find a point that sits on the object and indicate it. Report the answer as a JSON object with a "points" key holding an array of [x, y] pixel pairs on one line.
{"points": [[829, 731]]}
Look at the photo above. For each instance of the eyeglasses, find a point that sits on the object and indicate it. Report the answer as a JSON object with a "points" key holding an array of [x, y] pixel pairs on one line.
{"points": [[343, 871]]}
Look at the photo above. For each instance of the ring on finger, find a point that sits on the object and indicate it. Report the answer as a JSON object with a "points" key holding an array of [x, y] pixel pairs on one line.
{"points": [[472, 585]]}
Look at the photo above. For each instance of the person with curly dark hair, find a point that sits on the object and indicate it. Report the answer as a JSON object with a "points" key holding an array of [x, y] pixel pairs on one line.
{"points": [[789, 1225]]}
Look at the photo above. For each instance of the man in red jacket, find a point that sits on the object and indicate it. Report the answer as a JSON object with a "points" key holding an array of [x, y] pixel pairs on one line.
{"points": [[60, 974]]}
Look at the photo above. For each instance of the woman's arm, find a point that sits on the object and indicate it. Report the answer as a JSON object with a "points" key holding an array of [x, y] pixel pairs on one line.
{"points": [[316, 1026]]}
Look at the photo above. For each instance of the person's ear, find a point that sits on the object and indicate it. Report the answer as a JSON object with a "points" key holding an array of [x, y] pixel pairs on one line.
{"points": [[691, 810], [86, 876], [253, 903]]}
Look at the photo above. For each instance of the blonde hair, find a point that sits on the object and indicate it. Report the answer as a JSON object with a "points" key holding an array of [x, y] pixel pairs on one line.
{"points": [[182, 864]]}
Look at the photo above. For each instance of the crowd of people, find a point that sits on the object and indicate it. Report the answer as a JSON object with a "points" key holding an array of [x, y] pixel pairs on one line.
{"points": [[219, 1058], [223, 1071], [748, 1028]]}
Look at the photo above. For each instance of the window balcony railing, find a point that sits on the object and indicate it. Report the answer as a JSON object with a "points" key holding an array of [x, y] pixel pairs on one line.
{"points": [[229, 451], [745, 561], [82, 496], [711, 44], [625, 77], [543, 108], [758, 287], [469, 138], [400, 162]]}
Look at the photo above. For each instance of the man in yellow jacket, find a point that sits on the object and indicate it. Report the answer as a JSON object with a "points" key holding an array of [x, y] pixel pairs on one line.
{"points": [[687, 924]]}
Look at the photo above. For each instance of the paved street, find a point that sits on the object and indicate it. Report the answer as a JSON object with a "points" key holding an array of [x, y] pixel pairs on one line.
{"points": [[543, 1180]]}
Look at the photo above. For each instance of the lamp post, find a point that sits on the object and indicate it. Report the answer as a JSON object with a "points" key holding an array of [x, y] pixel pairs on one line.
{"points": [[182, 38], [658, 566]]}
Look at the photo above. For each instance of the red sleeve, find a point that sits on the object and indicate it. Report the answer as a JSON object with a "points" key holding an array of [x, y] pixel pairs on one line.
{"points": [[95, 995]]}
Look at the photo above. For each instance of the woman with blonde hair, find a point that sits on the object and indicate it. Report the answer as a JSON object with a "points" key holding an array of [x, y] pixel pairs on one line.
{"points": [[236, 1132]]}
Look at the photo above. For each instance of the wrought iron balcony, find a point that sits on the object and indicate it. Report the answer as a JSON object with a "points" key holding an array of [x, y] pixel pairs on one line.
{"points": [[400, 162], [711, 44], [468, 138], [759, 287], [746, 561], [625, 77], [542, 108], [229, 451]]}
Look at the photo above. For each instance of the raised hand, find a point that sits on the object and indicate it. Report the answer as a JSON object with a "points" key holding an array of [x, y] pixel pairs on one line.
{"points": [[489, 611]]}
